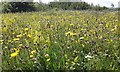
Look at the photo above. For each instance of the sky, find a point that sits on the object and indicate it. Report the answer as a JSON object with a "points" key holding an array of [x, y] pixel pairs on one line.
{"points": [[106, 3]]}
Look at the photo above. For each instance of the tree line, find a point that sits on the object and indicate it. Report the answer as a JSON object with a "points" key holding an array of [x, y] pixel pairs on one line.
{"points": [[7, 7]]}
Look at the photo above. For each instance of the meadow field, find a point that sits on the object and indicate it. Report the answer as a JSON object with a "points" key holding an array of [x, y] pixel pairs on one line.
{"points": [[60, 40]]}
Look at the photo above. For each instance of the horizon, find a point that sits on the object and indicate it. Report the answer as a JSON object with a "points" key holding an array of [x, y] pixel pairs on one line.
{"points": [[100, 2], [97, 2]]}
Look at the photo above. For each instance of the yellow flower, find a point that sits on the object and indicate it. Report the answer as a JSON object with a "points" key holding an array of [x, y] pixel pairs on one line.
{"points": [[1, 41], [71, 24], [9, 41], [67, 33], [34, 51], [14, 54], [70, 33], [100, 37], [31, 56], [29, 35], [16, 39], [48, 39], [107, 25], [51, 26], [48, 60], [19, 35], [13, 33], [73, 63], [15, 49], [20, 44], [26, 29]]}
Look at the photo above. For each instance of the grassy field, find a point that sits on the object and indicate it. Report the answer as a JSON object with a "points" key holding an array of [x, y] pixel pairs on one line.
{"points": [[60, 40]]}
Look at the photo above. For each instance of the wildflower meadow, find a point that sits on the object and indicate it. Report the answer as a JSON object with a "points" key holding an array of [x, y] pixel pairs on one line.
{"points": [[60, 40]]}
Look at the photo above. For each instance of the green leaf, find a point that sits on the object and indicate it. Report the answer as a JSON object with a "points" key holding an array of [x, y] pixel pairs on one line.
{"points": [[76, 59]]}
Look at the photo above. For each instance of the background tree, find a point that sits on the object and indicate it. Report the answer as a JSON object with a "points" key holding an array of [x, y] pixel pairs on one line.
{"points": [[112, 5], [18, 6], [25, 6]]}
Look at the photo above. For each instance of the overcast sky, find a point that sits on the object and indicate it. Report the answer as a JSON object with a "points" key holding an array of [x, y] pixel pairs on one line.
{"points": [[95, 2]]}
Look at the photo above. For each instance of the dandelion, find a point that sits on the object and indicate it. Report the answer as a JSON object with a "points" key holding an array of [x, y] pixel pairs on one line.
{"points": [[112, 29], [15, 49], [14, 54], [100, 37], [29, 36], [48, 39], [106, 25], [13, 33], [71, 24], [34, 51], [26, 29], [20, 44], [31, 56], [67, 33], [16, 39], [19, 35], [51, 26], [70, 33], [1, 41], [73, 63]]}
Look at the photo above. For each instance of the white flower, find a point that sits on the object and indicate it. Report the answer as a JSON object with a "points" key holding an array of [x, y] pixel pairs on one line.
{"points": [[88, 56]]}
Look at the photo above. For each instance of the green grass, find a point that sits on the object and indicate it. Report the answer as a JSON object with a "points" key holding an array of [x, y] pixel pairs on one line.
{"points": [[61, 40]]}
